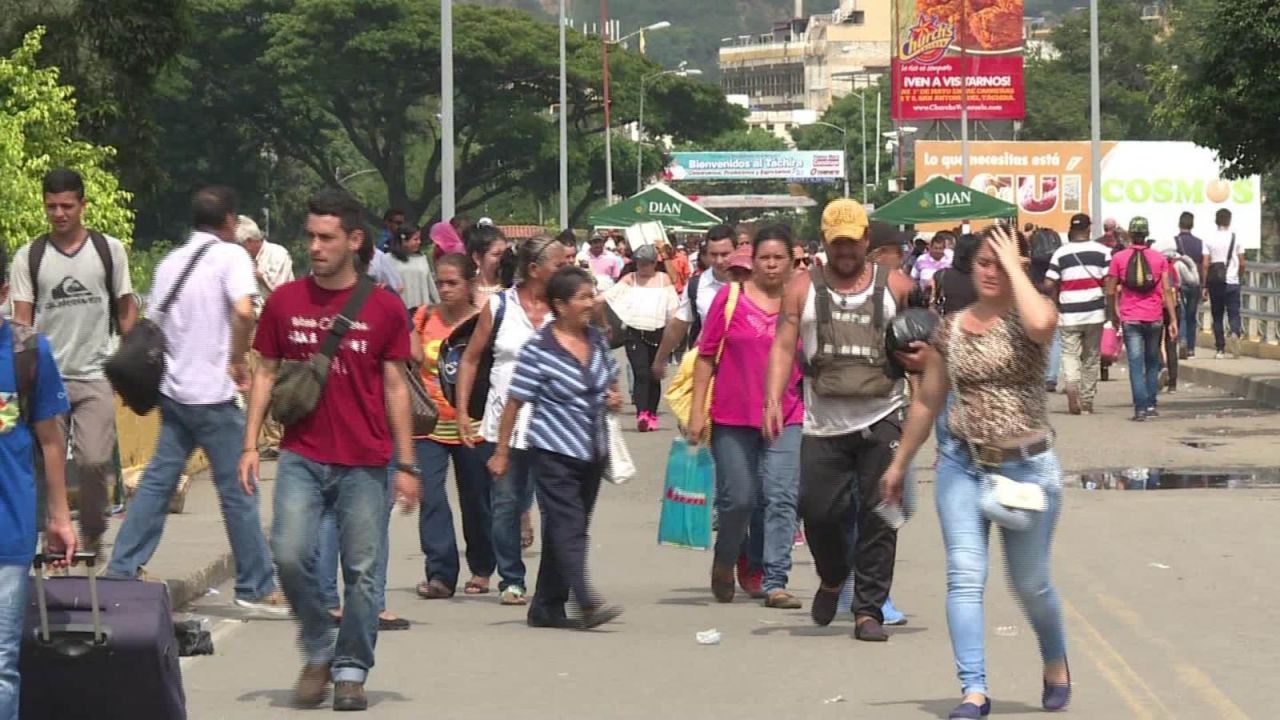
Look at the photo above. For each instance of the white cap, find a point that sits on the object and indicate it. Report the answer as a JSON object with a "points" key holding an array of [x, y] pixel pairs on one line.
{"points": [[485, 221]]}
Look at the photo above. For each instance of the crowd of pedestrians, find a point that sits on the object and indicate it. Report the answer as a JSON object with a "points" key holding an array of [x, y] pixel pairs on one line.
{"points": [[811, 434]]}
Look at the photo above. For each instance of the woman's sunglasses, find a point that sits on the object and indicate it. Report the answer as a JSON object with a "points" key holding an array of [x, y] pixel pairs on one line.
{"points": [[803, 262]]}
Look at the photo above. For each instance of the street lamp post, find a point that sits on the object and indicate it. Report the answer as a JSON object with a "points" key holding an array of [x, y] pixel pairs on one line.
{"points": [[608, 102], [1095, 116], [447, 187], [564, 126], [683, 71]]}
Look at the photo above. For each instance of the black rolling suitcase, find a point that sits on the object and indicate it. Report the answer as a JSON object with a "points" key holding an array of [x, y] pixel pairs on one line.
{"points": [[99, 651]]}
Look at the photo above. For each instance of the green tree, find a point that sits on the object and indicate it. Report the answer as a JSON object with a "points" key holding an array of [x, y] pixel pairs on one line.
{"points": [[111, 52], [37, 133], [1130, 57], [342, 86], [1225, 91]]}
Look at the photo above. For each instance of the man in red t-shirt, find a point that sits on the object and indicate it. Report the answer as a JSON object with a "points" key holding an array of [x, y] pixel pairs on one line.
{"points": [[1141, 312], [335, 459]]}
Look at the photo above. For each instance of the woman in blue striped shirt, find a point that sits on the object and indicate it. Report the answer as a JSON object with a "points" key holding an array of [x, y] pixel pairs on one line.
{"points": [[569, 376]]}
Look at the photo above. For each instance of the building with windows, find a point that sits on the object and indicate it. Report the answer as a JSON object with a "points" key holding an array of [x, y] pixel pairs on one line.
{"points": [[792, 74]]}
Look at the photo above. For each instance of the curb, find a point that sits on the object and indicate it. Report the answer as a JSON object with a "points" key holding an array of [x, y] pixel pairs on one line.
{"points": [[1262, 389], [185, 590]]}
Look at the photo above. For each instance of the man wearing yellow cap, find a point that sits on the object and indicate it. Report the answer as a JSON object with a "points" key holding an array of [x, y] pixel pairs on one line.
{"points": [[853, 411]]}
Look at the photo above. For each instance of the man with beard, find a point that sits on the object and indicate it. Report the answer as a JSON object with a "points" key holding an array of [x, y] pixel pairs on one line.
{"points": [[335, 458], [853, 411]]}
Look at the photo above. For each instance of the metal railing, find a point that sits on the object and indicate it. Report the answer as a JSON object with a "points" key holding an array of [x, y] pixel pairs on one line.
{"points": [[1259, 304]]}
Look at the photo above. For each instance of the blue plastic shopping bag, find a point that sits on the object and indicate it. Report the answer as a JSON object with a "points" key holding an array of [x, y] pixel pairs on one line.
{"points": [[687, 497]]}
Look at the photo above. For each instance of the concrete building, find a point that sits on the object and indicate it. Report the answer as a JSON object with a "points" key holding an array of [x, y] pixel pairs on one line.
{"points": [[793, 73]]}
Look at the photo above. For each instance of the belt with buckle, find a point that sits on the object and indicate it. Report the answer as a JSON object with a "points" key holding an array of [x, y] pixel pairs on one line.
{"points": [[993, 456]]}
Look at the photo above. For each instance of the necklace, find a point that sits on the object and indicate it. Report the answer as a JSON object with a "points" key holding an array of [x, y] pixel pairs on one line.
{"points": [[842, 298]]}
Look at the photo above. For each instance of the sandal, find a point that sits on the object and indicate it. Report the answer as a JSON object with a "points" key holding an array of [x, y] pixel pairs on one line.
{"points": [[476, 586], [434, 590], [526, 531], [782, 600], [514, 596]]}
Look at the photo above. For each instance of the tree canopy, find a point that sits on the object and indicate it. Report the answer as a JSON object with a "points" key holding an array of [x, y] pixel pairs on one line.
{"points": [[1225, 91], [37, 134], [1130, 56], [343, 86]]}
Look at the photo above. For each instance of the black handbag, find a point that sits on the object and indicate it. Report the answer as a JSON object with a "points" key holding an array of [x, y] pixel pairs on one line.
{"points": [[136, 370]]}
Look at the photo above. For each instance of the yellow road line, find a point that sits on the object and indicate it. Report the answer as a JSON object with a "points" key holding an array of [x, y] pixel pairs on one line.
{"points": [[1190, 675], [1135, 692]]}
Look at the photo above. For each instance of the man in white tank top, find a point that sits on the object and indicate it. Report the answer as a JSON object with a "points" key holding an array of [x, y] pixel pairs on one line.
{"points": [[853, 412]]}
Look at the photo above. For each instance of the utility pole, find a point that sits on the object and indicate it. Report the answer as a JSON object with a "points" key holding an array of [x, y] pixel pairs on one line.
{"points": [[564, 125], [608, 126], [1095, 113], [447, 187]]}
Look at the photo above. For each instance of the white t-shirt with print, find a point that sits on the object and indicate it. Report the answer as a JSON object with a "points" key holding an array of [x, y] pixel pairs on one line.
{"points": [[72, 310]]}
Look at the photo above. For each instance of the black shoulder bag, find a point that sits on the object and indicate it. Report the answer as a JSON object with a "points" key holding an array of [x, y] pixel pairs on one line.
{"points": [[137, 368], [299, 383]]}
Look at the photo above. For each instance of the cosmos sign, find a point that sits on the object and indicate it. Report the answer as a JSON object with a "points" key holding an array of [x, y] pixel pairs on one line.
{"points": [[1051, 181]]}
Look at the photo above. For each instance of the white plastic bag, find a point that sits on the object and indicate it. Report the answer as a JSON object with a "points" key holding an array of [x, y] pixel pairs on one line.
{"points": [[620, 467]]}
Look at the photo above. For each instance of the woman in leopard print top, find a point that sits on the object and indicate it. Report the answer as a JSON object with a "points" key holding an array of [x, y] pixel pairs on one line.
{"points": [[992, 357]]}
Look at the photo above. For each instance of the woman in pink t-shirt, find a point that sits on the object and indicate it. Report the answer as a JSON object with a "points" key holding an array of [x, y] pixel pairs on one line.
{"points": [[749, 467]]}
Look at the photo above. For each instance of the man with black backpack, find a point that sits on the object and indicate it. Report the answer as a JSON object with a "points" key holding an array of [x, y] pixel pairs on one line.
{"points": [[1139, 297], [73, 285]]}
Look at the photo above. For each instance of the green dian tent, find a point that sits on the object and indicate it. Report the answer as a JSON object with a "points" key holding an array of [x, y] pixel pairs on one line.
{"points": [[657, 203], [943, 200]]}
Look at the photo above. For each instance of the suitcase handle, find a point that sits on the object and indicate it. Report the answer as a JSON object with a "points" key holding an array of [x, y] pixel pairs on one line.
{"points": [[42, 601]]}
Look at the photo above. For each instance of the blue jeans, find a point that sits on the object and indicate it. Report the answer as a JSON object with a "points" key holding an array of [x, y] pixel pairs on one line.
{"points": [[750, 469], [218, 430], [14, 585], [357, 496], [512, 497], [1055, 358], [1142, 344], [435, 520], [327, 556], [965, 533], [1190, 320]]}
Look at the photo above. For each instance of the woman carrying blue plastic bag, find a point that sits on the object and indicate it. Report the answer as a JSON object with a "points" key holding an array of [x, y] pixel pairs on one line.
{"points": [[998, 465]]}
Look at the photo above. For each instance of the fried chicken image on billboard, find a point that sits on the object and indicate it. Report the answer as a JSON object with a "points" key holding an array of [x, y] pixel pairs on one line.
{"points": [[986, 24], [998, 26]]}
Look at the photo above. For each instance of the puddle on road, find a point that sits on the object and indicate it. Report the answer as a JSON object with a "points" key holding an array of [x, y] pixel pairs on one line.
{"points": [[1234, 432], [1173, 479], [1201, 444]]}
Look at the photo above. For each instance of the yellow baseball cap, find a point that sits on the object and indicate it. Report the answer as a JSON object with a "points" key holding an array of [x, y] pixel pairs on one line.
{"points": [[844, 218]]}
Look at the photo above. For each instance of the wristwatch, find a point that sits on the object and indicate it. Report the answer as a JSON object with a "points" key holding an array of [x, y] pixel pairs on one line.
{"points": [[408, 469]]}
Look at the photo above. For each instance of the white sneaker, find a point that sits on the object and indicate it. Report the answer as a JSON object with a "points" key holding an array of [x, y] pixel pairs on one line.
{"points": [[273, 604], [1220, 356]]}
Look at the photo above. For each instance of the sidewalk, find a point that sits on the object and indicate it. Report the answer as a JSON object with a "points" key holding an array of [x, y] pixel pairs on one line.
{"points": [[194, 554], [1251, 378]]}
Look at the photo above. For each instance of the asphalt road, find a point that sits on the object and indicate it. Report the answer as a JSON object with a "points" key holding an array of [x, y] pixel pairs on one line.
{"points": [[1169, 599]]}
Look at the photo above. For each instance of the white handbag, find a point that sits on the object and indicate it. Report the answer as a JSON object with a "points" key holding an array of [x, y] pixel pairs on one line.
{"points": [[619, 468]]}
